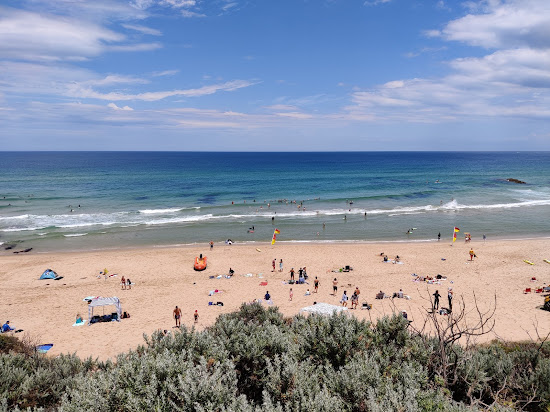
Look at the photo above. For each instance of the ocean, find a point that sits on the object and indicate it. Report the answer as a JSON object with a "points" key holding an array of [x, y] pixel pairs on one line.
{"points": [[53, 201]]}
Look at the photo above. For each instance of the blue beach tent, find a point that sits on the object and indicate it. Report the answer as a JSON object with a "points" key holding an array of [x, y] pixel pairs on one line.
{"points": [[48, 274]]}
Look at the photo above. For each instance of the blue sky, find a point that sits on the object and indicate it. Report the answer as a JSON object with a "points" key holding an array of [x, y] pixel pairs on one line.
{"points": [[274, 75]]}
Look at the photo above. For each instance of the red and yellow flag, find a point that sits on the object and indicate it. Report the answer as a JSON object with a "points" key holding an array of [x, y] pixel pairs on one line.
{"points": [[275, 233], [455, 232]]}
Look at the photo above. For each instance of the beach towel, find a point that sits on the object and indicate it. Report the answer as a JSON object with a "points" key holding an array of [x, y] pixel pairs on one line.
{"points": [[79, 323], [263, 283]]}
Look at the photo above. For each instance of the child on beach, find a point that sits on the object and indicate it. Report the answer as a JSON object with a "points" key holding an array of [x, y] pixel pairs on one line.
{"points": [[196, 316], [281, 265], [123, 282], [316, 284], [273, 264], [291, 294], [334, 286]]}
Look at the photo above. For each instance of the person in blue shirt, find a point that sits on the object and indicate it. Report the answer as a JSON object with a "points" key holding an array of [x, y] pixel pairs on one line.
{"points": [[6, 327], [267, 296]]}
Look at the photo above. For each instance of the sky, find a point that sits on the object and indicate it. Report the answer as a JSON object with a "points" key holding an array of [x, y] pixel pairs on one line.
{"points": [[285, 75]]}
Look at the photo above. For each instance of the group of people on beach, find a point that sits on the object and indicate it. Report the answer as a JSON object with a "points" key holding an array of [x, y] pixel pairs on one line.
{"points": [[435, 303], [274, 263], [177, 316], [344, 300], [125, 283]]}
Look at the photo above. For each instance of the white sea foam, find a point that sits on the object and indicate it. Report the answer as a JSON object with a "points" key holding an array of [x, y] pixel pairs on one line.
{"points": [[160, 211], [192, 215], [21, 229], [76, 235]]}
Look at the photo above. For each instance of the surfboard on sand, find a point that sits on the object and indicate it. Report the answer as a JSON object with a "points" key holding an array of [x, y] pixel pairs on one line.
{"points": [[528, 262], [258, 250], [546, 260]]}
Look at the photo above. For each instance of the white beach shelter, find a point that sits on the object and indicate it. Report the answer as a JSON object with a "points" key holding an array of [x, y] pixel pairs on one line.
{"points": [[99, 301], [323, 309]]}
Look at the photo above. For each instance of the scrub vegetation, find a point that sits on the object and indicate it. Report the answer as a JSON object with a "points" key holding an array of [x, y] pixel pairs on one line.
{"points": [[255, 359]]}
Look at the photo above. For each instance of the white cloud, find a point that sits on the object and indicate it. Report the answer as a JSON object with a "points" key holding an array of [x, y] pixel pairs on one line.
{"points": [[79, 91], [115, 79], [165, 73], [135, 47], [190, 14], [229, 6], [179, 3], [143, 29], [295, 115], [503, 24], [32, 36], [375, 2], [115, 107], [513, 81]]}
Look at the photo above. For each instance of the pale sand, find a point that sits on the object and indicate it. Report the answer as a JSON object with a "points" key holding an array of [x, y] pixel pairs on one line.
{"points": [[164, 278]]}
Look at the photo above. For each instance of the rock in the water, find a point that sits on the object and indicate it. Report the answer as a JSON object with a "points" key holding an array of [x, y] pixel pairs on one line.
{"points": [[516, 181]]}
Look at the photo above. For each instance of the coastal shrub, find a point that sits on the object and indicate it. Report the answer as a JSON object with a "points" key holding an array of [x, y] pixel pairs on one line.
{"points": [[256, 360], [159, 381], [38, 381], [333, 339], [518, 376]]}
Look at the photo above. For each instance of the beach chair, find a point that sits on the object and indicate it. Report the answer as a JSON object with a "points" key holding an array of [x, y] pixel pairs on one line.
{"points": [[527, 290]]}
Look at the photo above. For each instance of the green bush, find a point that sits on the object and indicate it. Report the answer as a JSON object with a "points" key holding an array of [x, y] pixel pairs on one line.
{"points": [[256, 360]]}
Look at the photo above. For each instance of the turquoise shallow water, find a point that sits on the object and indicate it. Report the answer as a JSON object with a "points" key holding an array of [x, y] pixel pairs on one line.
{"points": [[156, 198]]}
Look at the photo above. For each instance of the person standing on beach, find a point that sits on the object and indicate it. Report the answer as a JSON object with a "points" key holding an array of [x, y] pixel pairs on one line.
{"points": [[484, 238], [273, 264], [196, 316], [123, 282], [177, 316], [436, 300], [334, 286], [450, 297], [316, 284], [292, 274], [357, 291], [472, 254], [439, 236], [211, 245], [344, 300], [291, 294], [281, 265]]}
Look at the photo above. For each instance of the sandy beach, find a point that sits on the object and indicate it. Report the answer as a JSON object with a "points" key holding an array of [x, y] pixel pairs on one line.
{"points": [[164, 278]]}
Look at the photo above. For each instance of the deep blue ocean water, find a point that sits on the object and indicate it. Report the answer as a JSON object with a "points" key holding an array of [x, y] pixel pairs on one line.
{"points": [[95, 200]]}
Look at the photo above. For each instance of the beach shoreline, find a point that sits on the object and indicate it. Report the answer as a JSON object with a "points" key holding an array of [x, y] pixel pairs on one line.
{"points": [[251, 243], [163, 277]]}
